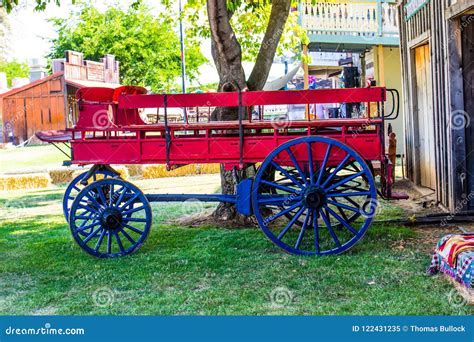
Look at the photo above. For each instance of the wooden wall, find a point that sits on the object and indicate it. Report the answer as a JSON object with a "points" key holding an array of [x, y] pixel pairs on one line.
{"points": [[434, 25], [37, 108]]}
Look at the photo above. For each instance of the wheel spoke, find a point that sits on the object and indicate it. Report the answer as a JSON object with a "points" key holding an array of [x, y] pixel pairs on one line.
{"points": [[134, 210], [93, 200], [88, 208], [283, 212], [119, 242], [132, 219], [337, 169], [291, 223], [99, 242], [345, 180], [310, 163], [342, 205], [122, 192], [111, 193], [128, 202], [303, 228], [316, 231], [129, 238], [297, 166], [329, 227], [109, 242], [348, 194], [132, 228], [279, 186], [102, 196], [323, 164], [290, 177], [91, 235], [342, 221], [82, 228]]}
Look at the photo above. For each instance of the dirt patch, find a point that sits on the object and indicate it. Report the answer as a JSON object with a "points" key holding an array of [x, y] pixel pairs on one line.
{"points": [[421, 202]]}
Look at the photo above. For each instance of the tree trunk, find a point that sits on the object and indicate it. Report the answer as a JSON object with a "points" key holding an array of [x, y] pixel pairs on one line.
{"points": [[227, 55]]}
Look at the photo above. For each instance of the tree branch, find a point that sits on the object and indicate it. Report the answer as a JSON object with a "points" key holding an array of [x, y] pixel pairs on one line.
{"points": [[276, 23]]}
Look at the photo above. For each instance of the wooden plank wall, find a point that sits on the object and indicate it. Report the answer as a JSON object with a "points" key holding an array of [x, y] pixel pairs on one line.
{"points": [[432, 26], [35, 109]]}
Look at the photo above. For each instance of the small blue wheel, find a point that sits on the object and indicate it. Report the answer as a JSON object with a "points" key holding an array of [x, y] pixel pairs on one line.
{"points": [[110, 218], [75, 187], [321, 201]]}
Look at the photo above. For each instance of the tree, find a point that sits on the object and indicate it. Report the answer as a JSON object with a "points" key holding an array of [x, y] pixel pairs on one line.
{"points": [[148, 51], [264, 21], [14, 69], [4, 33], [241, 30], [39, 4]]}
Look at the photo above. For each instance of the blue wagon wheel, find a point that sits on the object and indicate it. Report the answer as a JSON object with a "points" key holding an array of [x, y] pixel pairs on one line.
{"points": [[110, 218], [327, 185], [280, 178], [75, 187]]}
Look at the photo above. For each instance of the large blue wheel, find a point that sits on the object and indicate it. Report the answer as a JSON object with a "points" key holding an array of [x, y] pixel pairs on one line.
{"points": [[110, 218], [75, 187], [321, 201]]}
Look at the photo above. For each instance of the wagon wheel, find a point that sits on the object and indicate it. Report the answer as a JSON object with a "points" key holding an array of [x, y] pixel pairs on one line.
{"points": [[75, 187], [280, 178], [314, 197], [115, 215]]}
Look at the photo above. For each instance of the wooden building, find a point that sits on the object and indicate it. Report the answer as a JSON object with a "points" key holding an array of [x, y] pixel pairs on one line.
{"points": [[437, 41], [50, 103]]}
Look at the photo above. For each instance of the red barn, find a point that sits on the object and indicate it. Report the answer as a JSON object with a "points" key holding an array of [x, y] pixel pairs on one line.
{"points": [[50, 103]]}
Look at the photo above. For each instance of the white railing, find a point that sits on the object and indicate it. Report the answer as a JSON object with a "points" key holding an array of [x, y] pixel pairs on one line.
{"points": [[346, 17]]}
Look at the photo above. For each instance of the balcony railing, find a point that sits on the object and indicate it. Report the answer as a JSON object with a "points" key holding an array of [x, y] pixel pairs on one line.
{"points": [[339, 21]]}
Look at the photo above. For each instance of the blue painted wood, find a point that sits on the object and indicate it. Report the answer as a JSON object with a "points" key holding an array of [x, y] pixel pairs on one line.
{"points": [[308, 198], [110, 218], [75, 187]]}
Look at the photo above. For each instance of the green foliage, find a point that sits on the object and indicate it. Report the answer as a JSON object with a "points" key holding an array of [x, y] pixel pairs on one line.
{"points": [[14, 69], [146, 46], [40, 5], [249, 21]]}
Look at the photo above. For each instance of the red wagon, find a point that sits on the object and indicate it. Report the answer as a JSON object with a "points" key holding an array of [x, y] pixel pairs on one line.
{"points": [[313, 192]]}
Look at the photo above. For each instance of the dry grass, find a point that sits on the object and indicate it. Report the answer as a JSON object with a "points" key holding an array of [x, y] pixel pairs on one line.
{"points": [[61, 176], [159, 171], [20, 182], [134, 170]]}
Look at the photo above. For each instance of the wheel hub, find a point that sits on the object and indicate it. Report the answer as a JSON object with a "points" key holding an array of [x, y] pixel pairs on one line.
{"points": [[111, 219], [314, 197]]}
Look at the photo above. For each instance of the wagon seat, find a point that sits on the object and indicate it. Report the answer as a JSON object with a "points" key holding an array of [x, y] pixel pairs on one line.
{"points": [[98, 108]]}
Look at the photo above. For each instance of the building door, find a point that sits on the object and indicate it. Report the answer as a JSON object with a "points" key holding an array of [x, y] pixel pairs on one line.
{"points": [[467, 22], [424, 114]]}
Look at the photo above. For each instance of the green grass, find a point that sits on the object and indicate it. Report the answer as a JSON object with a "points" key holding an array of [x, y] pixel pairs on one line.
{"points": [[208, 271], [30, 159]]}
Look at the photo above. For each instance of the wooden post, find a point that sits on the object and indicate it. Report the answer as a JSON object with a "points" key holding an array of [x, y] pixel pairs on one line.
{"points": [[306, 74], [381, 65]]}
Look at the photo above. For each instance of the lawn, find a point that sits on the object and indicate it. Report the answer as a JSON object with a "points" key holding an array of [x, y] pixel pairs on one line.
{"points": [[37, 158], [208, 270]]}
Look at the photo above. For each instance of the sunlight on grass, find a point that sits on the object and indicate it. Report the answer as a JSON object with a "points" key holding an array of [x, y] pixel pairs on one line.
{"points": [[206, 271]]}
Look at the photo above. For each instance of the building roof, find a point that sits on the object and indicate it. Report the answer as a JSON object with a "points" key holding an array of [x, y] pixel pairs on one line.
{"points": [[31, 84], [90, 84], [75, 83]]}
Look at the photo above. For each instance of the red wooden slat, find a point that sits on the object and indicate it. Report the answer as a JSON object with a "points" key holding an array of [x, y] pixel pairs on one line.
{"points": [[313, 96], [252, 98]]}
